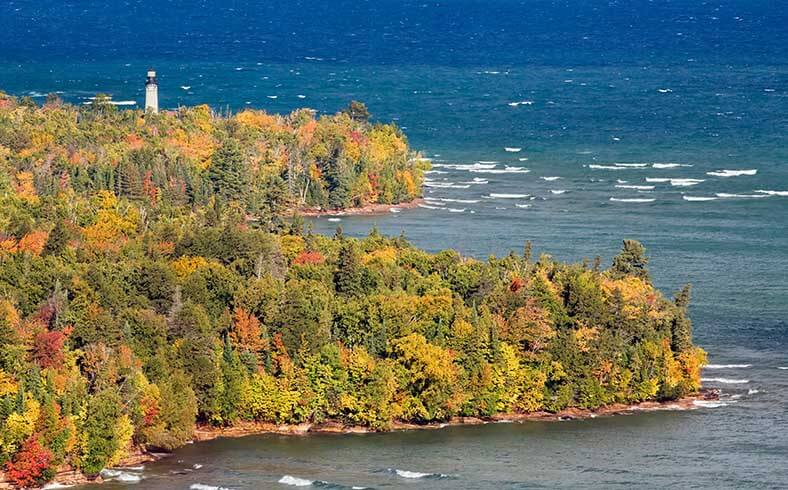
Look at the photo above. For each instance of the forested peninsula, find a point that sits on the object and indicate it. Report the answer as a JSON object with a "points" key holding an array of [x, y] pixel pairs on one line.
{"points": [[155, 276]]}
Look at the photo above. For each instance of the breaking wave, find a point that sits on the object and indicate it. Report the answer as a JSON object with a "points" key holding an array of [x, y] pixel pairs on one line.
{"points": [[685, 182], [635, 199], [740, 196], [698, 198], [773, 193], [727, 381], [416, 474], [709, 404], [507, 196], [294, 481], [727, 366], [732, 173], [201, 486]]}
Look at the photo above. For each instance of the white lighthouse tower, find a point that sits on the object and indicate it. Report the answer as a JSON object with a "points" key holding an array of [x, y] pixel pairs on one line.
{"points": [[151, 93]]}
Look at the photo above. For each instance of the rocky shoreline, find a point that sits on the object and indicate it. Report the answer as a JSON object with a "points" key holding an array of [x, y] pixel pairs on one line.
{"points": [[369, 209], [67, 476]]}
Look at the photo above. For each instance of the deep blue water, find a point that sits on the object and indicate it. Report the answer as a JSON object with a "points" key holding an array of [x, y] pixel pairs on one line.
{"points": [[576, 86]]}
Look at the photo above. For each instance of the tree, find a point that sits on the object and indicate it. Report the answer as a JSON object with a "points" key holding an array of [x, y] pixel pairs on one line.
{"points": [[631, 261], [29, 466], [227, 173], [348, 274], [357, 111], [681, 328]]}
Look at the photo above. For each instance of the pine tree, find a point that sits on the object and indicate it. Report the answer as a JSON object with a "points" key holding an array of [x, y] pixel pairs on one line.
{"points": [[347, 278], [631, 261], [681, 329], [227, 172]]}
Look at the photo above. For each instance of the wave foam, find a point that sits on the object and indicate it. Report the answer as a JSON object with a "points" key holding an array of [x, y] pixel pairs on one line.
{"points": [[202, 486], [740, 196], [685, 182], [550, 179], [708, 404], [294, 481], [698, 198], [507, 196], [669, 165], [727, 381], [416, 474], [616, 199], [120, 475], [507, 170], [559, 191], [512, 149], [657, 179], [523, 206], [773, 193], [727, 366], [638, 187], [732, 173]]}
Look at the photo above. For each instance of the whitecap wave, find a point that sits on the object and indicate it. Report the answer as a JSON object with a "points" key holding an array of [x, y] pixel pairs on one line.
{"points": [[294, 481], [427, 206], [456, 210], [773, 193], [732, 173], [784, 368], [507, 170], [55, 485], [120, 475], [638, 187], [395, 210], [476, 181], [550, 179], [635, 199], [727, 366], [698, 198], [657, 179], [559, 191], [753, 391], [709, 403], [669, 165], [334, 220], [685, 182], [725, 195], [520, 102], [416, 474], [445, 185], [512, 149], [631, 165], [202, 486], [507, 196], [523, 206], [727, 381], [461, 201]]}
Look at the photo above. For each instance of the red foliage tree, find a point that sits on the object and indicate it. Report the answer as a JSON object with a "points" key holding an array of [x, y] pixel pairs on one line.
{"points": [[48, 348], [29, 464], [308, 257]]}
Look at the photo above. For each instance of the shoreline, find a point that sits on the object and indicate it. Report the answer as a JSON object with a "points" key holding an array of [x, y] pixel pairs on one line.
{"points": [[202, 433], [369, 209]]}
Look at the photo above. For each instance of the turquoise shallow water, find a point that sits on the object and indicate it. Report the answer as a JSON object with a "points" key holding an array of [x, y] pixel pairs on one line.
{"points": [[578, 87]]}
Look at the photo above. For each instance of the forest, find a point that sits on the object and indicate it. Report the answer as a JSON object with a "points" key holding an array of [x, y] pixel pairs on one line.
{"points": [[155, 275]]}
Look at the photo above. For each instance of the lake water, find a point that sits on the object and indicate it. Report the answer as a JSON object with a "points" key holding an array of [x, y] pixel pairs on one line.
{"points": [[572, 124]]}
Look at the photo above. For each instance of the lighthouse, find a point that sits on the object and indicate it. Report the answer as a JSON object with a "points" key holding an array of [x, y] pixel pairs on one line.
{"points": [[151, 93]]}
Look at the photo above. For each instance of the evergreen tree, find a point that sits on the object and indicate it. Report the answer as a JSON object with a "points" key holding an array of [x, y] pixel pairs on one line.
{"points": [[631, 261], [681, 331], [348, 275], [227, 172]]}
